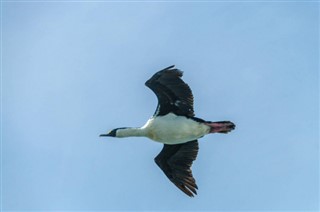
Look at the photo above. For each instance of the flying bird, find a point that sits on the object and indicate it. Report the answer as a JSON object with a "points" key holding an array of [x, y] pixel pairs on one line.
{"points": [[174, 124]]}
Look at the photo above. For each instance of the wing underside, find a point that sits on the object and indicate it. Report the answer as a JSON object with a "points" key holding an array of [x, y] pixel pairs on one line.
{"points": [[176, 161], [173, 94]]}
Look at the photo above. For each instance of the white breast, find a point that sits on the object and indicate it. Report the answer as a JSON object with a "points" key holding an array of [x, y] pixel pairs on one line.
{"points": [[173, 129]]}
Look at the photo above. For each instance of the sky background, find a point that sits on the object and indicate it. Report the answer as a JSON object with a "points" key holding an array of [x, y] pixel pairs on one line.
{"points": [[72, 70]]}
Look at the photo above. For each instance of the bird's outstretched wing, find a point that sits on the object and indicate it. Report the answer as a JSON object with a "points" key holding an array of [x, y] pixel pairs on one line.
{"points": [[175, 161], [174, 95]]}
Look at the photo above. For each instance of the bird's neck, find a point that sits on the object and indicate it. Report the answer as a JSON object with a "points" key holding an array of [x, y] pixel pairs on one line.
{"points": [[131, 132]]}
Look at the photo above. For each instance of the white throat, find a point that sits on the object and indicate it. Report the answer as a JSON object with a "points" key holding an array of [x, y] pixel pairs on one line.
{"points": [[131, 132]]}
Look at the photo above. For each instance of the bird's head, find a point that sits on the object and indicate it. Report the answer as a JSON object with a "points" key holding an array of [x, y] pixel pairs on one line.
{"points": [[112, 133]]}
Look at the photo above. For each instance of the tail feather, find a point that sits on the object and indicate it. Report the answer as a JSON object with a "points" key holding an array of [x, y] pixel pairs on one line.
{"points": [[221, 126]]}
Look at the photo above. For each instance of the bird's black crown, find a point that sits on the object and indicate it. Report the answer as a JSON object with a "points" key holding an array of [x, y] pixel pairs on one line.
{"points": [[113, 133]]}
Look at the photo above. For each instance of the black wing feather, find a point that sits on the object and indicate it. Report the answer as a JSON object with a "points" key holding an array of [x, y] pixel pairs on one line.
{"points": [[176, 161], [173, 94]]}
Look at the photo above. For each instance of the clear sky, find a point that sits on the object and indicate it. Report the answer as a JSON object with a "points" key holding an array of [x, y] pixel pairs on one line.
{"points": [[72, 71]]}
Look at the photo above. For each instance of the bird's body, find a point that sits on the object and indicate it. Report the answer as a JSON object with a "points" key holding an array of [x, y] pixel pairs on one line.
{"points": [[168, 129], [174, 125]]}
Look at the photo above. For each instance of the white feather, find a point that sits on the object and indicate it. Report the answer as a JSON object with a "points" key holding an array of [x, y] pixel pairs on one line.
{"points": [[173, 129]]}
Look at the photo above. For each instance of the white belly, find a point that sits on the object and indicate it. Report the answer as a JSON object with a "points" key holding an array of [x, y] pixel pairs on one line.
{"points": [[172, 129]]}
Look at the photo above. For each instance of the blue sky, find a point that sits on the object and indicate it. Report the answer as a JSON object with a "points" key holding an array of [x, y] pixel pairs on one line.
{"points": [[71, 71]]}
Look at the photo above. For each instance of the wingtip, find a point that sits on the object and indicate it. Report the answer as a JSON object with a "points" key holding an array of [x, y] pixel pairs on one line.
{"points": [[157, 75], [169, 67], [188, 190], [172, 69]]}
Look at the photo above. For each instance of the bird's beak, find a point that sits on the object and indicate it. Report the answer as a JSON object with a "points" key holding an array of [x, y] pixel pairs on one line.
{"points": [[104, 135]]}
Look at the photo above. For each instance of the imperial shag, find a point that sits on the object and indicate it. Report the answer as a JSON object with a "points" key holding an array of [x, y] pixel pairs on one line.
{"points": [[174, 124]]}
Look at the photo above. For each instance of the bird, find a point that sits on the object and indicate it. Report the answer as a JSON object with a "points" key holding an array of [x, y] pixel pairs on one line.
{"points": [[175, 125]]}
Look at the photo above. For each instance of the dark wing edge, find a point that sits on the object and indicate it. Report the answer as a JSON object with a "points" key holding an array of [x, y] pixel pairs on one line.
{"points": [[176, 161], [173, 94]]}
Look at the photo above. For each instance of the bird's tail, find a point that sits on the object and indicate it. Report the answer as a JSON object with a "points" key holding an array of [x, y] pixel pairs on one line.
{"points": [[221, 126]]}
